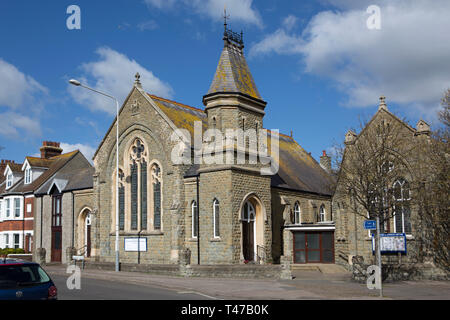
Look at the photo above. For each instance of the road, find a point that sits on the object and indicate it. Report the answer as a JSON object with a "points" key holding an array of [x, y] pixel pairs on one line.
{"points": [[109, 285], [95, 289]]}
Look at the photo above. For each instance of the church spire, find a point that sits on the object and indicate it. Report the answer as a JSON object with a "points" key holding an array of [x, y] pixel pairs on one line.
{"points": [[233, 74]]}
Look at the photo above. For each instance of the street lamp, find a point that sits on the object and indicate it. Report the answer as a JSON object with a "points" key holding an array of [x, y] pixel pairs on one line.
{"points": [[79, 84]]}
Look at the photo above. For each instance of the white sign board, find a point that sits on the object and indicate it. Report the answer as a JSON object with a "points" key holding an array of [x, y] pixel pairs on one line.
{"points": [[391, 242], [132, 244]]}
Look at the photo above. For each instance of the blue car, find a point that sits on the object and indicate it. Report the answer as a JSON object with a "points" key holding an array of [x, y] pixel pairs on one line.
{"points": [[22, 280]]}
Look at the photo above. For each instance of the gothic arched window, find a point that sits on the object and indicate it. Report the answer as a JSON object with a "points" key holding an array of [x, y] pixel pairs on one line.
{"points": [[156, 185], [216, 218], [194, 219], [297, 214], [322, 213], [402, 210]]}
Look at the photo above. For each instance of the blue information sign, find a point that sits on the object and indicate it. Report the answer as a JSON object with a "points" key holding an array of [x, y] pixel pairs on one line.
{"points": [[370, 225]]}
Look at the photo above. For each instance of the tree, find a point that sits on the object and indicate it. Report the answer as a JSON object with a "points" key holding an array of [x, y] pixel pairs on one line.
{"points": [[369, 167], [433, 196]]}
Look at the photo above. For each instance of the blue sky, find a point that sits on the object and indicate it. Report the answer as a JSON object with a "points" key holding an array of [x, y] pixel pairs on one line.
{"points": [[315, 62]]}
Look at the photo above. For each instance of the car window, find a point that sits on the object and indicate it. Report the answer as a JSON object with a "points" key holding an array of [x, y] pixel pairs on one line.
{"points": [[18, 276]]}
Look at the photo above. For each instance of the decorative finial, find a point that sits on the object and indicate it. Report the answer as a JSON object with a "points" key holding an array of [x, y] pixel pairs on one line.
{"points": [[382, 103], [137, 81], [225, 17]]}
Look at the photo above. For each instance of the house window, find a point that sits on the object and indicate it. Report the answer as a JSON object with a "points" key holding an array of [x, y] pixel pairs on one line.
{"points": [[402, 210], [216, 218], [322, 213], [1, 210], [27, 175], [194, 219], [8, 207], [9, 180], [17, 207], [56, 211], [16, 241], [297, 214], [6, 240]]}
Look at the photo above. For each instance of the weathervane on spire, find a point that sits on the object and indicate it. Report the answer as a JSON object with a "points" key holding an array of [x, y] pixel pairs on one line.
{"points": [[229, 35], [225, 17]]}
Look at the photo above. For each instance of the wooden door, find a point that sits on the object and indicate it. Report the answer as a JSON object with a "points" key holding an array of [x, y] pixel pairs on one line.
{"points": [[248, 244], [88, 240], [56, 254]]}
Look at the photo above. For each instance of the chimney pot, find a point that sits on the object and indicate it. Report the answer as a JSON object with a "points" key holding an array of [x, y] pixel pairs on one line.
{"points": [[50, 149]]}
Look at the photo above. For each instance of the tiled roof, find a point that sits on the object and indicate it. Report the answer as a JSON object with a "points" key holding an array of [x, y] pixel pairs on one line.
{"points": [[72, 179], [183, 116], [39, 162], [233, 73], [15, 167], [298, 170], [54, 164]]}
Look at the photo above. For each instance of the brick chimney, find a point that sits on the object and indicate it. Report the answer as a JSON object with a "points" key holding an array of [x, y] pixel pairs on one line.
{"points": [[50, 149], [325, 161]]}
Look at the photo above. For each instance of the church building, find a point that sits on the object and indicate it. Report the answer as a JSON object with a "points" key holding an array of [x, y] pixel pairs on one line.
{"points": [[224, 213]]}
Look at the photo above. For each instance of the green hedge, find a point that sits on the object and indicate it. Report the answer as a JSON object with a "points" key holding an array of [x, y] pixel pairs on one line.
{"points": [[5, 252]]}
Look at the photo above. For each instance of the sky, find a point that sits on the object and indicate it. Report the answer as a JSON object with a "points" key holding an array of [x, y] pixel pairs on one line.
{"points": [[318, 64]]}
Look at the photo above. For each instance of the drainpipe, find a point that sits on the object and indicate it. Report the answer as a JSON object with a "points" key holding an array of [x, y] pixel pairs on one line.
{"points": [[42, 208], [23, 223], [73, 220], [198, 223]]}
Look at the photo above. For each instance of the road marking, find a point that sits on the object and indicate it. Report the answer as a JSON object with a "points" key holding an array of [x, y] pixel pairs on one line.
{"points": [[201, 294]]}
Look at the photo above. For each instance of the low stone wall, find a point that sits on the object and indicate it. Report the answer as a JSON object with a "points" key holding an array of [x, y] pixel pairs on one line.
{"points": [[399, 271], [212, 271]]}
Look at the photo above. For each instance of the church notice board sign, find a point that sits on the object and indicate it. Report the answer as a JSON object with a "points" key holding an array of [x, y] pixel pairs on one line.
{"points": [[135, 244], [391, 243]]}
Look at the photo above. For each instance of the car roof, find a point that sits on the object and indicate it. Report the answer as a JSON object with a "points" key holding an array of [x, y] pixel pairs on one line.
{"points": [[8, 261]]}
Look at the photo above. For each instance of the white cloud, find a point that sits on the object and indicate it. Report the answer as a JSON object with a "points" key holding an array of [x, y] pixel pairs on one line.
{"points": [[17, 126], [407, 60], [85, 149], [114, 74], [17, 88], [239, 10], [289, 22], [148, 25]]}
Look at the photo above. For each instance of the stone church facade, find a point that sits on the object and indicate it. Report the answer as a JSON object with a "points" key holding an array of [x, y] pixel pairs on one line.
{"points": [[224, 213]]}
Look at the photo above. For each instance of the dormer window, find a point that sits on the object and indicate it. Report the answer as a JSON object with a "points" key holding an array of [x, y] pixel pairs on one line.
{"points": [[28, 175], [9, 180]]}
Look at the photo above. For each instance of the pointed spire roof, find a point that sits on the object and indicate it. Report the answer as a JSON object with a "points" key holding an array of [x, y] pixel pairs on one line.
{"points": [[233, 74]]}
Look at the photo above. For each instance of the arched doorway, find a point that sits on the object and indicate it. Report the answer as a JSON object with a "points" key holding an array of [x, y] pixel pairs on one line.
{"points": [[87, 236], [252, 228], [84, 232], [248, 231]]}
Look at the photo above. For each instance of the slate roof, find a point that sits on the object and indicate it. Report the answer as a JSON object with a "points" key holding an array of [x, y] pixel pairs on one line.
{"points": [[69, 180], [298, 170], [233, 74], [54, 164]]}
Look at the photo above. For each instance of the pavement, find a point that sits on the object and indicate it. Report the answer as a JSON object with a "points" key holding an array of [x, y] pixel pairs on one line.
{"points": [[313, 284]]}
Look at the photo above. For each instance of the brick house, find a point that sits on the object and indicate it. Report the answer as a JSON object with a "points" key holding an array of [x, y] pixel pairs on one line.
{"points": [[224, 213]]}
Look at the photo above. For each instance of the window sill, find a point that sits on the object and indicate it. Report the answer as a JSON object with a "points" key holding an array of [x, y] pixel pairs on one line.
{"points": [[192, 240], [137, 234], [215, 239]]}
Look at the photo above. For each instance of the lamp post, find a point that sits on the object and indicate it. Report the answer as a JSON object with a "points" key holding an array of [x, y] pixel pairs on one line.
{"points": [[78, 84]]}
